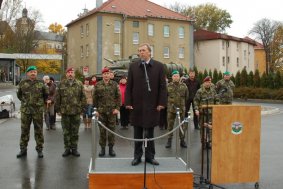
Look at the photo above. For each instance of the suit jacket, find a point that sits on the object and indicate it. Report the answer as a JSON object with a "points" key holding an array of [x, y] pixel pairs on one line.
{"points": [[144, 102]]}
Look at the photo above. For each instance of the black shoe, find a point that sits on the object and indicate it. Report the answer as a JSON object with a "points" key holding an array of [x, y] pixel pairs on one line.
{"points": [[111, 151], [75, 153], [22, 153], [66, 153], [39, 154], [169, 143], [102, 152], [197, 127], [136, 161], [152, 161], [183, 144], [53, 127]]}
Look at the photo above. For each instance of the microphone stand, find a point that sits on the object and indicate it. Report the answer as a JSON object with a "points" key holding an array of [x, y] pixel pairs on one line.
{"points": [[145, 151], [146, 76]]}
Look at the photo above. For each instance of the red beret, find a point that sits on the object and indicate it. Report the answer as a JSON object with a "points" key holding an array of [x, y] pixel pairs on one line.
{"points": [[70, 69], [105, 70], [207, 78]]}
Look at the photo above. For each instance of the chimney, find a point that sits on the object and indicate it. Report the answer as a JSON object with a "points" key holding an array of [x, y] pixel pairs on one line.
{"points": [[98, 3]]}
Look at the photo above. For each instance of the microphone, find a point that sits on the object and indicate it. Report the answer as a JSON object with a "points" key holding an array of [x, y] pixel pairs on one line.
{"points": [[208, 98], [146, 76], [223, 91]]}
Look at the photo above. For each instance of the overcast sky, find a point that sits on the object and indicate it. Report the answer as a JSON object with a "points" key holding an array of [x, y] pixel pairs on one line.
{"points": [[244, 13]]}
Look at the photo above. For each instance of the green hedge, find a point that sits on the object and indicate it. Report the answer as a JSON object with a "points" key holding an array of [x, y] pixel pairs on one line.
{"points": [[258, 93]]}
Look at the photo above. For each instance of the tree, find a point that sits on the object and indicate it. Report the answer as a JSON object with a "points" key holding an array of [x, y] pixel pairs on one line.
{"points": [[238, 79], [263, 80], [56, 28], [207, 16], [215, 76], [256, 79], [277, 80], [277, 48], [11, 9], [244, 78], [250, 82], [264, 30]]}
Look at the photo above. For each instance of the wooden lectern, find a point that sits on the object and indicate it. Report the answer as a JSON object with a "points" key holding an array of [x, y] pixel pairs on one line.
{"points": [[235, 154]]}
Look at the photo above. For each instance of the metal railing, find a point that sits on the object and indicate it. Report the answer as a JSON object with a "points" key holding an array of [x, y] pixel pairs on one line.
{"points": [[177, 126]]}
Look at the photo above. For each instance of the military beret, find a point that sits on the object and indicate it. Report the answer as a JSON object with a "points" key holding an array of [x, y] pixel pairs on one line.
{"points": [[70, 69], [175, 72], [226, 73], [104, 70], [207, 78], [31, 68]]}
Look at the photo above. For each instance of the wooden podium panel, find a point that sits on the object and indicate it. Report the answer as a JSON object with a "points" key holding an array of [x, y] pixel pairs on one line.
{"points": [[235, 153]]}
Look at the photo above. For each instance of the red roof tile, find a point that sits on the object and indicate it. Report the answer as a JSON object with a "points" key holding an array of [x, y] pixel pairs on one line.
{"points": [[135, 8], [201, 35]]}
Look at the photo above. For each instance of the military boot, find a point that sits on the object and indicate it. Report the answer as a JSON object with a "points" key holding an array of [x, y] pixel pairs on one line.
{"points": [[39, 154], [102, 152], [66, 153], [111, 151], [22, 153], [169, 143], [183, 143], [75, 152]]}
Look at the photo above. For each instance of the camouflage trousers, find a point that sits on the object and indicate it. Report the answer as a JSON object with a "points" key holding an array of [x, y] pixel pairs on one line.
{"points": [[109, 120], [70, 125], [26, 120], [171, 120]]}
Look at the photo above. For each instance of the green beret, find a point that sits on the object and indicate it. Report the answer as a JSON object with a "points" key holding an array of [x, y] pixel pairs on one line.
{"points": [[175, 72], [226, 73], [31, 68]]}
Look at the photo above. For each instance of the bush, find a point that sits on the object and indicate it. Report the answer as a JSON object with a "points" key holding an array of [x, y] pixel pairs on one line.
{"points": [[258, 93]]}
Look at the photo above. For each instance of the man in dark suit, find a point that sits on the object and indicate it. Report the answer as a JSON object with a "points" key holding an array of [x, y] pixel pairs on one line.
{"points": [[146, 95]]}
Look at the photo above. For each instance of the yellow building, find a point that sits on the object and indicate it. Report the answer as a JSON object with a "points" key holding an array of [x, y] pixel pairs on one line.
{"points": [[260, 58], [116, 28]]}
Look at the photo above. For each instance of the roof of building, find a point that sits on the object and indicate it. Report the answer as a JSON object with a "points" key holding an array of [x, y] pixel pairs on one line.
{"points": [[39, 35], [135, 8], [202, 35], [4, 26]]}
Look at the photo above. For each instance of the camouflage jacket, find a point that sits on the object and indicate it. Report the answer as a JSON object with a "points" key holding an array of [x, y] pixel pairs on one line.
{"points": [[70, 99], [32, 95], [225, 90], [204, 96], [106, 97], [178, 94]]}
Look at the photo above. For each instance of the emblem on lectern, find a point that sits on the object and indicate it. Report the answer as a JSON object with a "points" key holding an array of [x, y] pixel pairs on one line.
{"points": [[237, 128]]}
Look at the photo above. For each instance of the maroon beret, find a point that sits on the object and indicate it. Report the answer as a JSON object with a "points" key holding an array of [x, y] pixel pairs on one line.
{"points": [[104, 70], [207, 78], [70, 69]]}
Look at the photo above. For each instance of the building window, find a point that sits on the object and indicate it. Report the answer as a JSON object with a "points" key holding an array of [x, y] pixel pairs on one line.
{"points": [[136, 24], [82, 51], [87, 29], [87, 50], [82, 31], [166, 52], [166, 31], [227, 44], [228, 59], [117, 26], [181, 52], [181, 32], [150, 30], [117, 49], [152, 51], [135, 38], [238, 62], [223, 60]]}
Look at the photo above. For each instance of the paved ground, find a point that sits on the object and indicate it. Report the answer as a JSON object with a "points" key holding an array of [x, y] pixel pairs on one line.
{"points": [[54, 172]]}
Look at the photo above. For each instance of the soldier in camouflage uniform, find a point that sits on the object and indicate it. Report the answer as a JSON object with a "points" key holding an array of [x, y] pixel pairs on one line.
{"points": [[225, 88], [206, 95], [70, 103], [107, 100], [33, 94], [178, 95]]}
